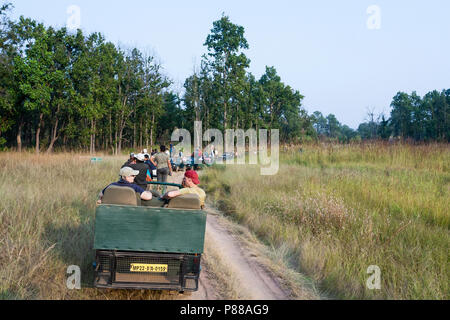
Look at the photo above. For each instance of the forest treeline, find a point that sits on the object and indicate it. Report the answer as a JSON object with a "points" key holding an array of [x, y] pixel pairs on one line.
{"points": [[70, 91], [412, 118]]}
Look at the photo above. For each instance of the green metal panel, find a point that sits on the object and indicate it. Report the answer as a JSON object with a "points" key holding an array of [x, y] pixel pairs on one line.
{"points": [[128, 228]]}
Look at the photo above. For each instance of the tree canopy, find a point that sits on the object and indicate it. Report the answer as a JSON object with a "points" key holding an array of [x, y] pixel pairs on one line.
{"points": [[73, 91]]}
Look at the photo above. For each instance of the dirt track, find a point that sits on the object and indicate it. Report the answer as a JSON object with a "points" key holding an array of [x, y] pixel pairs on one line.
{"points": [[251, 279]]}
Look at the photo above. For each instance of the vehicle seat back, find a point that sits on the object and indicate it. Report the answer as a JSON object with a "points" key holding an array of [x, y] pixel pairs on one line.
{"points": [[185, 201], [120, 195]]}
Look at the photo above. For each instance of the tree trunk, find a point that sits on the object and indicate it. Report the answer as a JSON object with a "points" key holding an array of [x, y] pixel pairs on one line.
{"points": [[104, 141], [19, 137], [237, 116], [115, 143], [90, 145], [224, 116], [225, 77], [54, 137], [54, 131], [120, 141], [110, 132], [140, 134], [271, 115], [122, 123], [65, 139], [207, 117], [151, 129], [93, 133], [38, 132], [146, 131], [134, 134]]}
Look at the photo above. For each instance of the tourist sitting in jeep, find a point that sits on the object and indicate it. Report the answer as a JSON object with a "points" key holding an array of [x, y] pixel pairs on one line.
{"points": [[190, 182], [127, 175]]}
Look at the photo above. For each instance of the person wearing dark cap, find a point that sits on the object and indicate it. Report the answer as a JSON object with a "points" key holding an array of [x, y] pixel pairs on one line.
{"points": [[190, 184]]}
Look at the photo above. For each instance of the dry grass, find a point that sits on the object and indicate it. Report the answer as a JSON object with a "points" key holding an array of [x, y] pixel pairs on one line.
{"points": [[47, 207], [330, 213], [296, 285], [335, 210]]}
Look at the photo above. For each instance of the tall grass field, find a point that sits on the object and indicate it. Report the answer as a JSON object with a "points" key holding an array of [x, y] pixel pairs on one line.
{"points": [[47, 213], [330, 212], [334, 210]]}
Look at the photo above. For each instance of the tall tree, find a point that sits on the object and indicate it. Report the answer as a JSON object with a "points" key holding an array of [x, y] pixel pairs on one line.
{"points": [[60, 45], [228, 65], [34, 77], [152, 102], [319, 123], [333, 126], [384, 128], [6, 74], [401, 114], [438, 108], [419, 117]]}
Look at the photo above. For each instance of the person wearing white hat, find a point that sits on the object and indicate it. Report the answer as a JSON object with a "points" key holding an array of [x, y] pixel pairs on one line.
{"points": [[140, 157], [127, 176]]}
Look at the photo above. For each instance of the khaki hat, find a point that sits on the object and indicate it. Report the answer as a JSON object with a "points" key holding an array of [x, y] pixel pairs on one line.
{"points": [[127, 171]]}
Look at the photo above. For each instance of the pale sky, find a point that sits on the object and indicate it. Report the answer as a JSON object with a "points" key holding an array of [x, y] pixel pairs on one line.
{"points": [[341, 56]]}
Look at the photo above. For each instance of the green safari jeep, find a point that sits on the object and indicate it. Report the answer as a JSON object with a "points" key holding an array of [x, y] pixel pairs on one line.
{"points": [[148, 244]]}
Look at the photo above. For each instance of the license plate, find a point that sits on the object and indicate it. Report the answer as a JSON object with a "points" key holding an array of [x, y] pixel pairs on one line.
{"points": [[140, 267]]}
